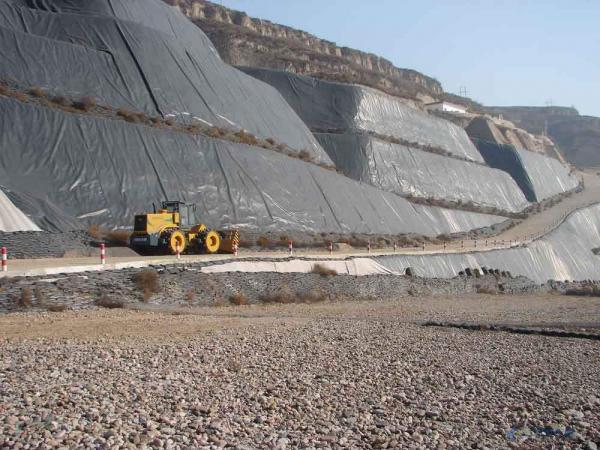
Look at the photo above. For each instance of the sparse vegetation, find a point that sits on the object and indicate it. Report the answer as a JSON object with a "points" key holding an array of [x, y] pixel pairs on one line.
{"points": [[60, 100], [105, 301], [37, 92], [486, 290], [286, 296], [189, 296], [238, 299], [85, 104], [323, 270], [246, 138], [146, 281], [24, 300]]}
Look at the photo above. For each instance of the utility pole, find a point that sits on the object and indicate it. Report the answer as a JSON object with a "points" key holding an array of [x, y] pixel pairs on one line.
{"points": [[463, 91]]}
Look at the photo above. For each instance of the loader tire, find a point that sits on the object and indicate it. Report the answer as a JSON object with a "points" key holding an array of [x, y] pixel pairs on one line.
{"points": [[211, 241], [175, 241]]}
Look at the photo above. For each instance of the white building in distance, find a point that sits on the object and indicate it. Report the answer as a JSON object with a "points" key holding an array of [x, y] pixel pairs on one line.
{"points": [[446, 107]]}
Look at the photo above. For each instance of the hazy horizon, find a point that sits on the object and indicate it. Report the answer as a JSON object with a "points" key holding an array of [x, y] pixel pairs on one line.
{"points": [[514, 53]]}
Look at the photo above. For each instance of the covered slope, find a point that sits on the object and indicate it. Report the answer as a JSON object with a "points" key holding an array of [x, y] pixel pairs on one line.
{"points": [[104, 171], [11, 218], [142, 55], [410, 171], [539, 176], [564, 254], [334, 107]]}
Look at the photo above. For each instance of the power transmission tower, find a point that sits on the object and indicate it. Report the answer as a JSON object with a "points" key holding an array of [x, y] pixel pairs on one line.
{"points": [[463, 91], [549, 102]]}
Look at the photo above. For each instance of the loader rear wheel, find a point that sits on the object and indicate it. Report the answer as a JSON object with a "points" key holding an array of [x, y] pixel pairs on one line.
{"points": [[211, 241], [176, 242]]}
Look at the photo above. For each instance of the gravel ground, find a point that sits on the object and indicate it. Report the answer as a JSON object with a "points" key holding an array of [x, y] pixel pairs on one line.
{"points": [[330, 375]]}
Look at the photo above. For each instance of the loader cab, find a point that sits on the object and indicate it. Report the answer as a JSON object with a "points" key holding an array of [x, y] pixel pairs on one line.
{"points": [[187, 213]]}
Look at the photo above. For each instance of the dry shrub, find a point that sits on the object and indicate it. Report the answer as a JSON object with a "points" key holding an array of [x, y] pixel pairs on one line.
{"points": [[147, 282], [108, 302], [155, 120], [37, 92], [194, 129], [61, 100], [3, 90], [118, 237], [57, 307], [314, 296], [129, 116], [189, 296], [23, 300], [282, 295], [216, 132], [39, 295], [85, 104], [238, 299], [304, 155], [323, 270], [444, 237], [246, 138], [271, 141], [96, 232], [18, 95], [169, 122]]}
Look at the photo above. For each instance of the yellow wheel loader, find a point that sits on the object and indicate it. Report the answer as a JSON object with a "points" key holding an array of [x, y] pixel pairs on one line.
{"points": [[173, 229]]}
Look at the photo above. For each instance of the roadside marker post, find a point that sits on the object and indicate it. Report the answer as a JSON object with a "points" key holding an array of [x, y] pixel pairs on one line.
{"points": [[330, 247], [369, 247], [475, 243], [235, 249], [103, 254], [4, 259], [177, 251], [395, 246], [291, 247]]}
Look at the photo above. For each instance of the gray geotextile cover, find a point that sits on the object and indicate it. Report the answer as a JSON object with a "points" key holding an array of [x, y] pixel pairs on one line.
{"points": [[405, 170], [538, 176], [104, 171], [328, 106], [141, 55], [564, 254]]}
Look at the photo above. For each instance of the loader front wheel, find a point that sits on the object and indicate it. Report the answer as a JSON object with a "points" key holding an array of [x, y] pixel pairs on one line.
{"points": [[176, 242], [211, 241]]}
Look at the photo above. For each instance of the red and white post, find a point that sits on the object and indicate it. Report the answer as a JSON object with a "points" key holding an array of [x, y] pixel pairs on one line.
{"points": [[291, 247], [369, 247], [103, 254], [395, 246], [330, 247], [177, 250], [235, 249], [4, 259]]}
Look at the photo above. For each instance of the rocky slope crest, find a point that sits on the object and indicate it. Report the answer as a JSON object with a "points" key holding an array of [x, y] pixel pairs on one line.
{"points": [[245, 41]]}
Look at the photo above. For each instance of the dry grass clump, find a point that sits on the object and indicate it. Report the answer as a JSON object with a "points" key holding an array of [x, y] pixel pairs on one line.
{"points": [[37, 92], [59, 307], [60, 100], [147, 282], [305, 155], [323, 270], [189, 296], [286, 296], [238, 299], [85, 104], [4, 89], [170, 122], [95, 231], [131, 116], [216, 132], [271, 141], [246, 138], [108, 302], [24, 300]]}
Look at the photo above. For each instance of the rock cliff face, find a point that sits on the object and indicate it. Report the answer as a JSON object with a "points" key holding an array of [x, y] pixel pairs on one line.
{"points": [[245, 41], [577, 136]]}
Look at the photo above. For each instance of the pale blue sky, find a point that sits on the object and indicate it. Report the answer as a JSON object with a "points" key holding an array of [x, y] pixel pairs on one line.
{"points": [[506, 52]]}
